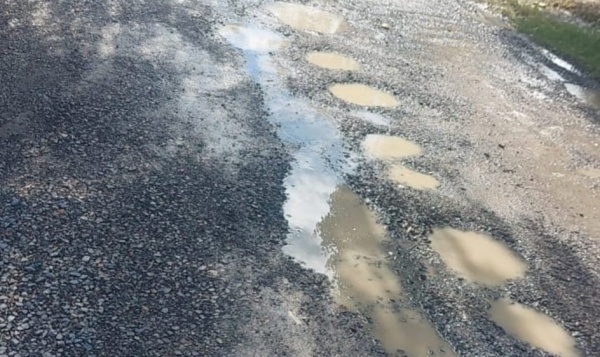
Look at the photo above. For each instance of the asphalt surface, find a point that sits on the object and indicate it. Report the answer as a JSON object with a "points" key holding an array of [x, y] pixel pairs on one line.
{"points": [[148, 162]]}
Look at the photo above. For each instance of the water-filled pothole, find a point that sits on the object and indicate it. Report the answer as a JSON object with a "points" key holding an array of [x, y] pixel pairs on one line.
{"points": [[307, 18], [332, 61], [413, 179], [315, 143], [365, 283], [387, 147], [477, 257], [364, 95], [533, 327]]}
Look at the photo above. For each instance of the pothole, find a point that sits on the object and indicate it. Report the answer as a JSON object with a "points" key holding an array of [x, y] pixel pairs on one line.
{"points": [[365, 283], [533, 327], [307, 18], [413, 179], [332, 61], [319, 158], [387, 147], [364, 95], [477, 257]]}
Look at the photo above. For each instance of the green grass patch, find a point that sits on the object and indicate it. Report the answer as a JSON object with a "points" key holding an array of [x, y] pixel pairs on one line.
{"points": [[579, 43]]}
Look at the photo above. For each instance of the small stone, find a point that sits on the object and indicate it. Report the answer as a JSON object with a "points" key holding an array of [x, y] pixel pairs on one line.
{"points": [[385, 25], [86, 258], [219, 341]]}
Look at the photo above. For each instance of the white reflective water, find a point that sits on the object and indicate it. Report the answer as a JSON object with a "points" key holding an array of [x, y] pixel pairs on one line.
{"points": [[588, 96], [372, 118], [318, 153]]}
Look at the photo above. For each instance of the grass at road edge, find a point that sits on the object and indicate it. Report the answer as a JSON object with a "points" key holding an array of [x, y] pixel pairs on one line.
{"points": [[579, 43]]}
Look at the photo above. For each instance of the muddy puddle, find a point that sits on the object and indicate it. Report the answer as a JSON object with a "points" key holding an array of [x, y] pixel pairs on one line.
{"points": [[307, 18], [404, 176], [533, 327], [363, 95], [477, 257], [330, 60], [387, 147], [365, 283]]}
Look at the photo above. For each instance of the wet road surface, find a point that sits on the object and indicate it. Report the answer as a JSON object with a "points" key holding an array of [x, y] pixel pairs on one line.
{"points": [[321, 178]]}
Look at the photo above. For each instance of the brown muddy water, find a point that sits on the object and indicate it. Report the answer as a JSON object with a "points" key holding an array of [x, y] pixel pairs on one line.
{"points": [[406, 177], [364, 95], [332, 61], [533, 327], [387, 147], [365, 283], [307, 18], [477, 257]]}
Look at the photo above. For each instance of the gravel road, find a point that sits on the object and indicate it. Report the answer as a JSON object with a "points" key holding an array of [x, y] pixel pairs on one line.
{"points": [[210, 178]]}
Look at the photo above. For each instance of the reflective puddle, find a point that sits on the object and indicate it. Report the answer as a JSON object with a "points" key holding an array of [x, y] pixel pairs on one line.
{"points": [[307, 18], [533, 327], [413, 179], [372, 118], [318, 154], [364, 95], [365, 283], [332, 61], [251, 39], [387, 147], [588, 96], [477, 257]]}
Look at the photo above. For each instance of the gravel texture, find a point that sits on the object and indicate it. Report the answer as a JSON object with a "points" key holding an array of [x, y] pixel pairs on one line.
{"points": [[143, 182]]}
